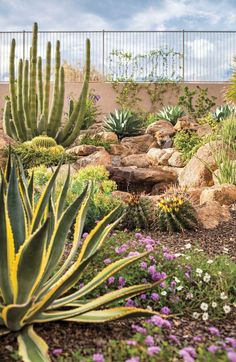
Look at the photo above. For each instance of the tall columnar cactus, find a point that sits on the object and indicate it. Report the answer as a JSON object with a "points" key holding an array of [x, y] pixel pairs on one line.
{"points": [[29, 113]]}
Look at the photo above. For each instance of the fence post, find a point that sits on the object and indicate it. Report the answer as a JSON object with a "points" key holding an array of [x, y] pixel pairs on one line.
{"points": [[103, 54], [23, 44], [183, 45]]}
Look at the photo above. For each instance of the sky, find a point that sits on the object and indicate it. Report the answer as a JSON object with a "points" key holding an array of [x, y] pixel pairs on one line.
{"points": [[118, 14]]}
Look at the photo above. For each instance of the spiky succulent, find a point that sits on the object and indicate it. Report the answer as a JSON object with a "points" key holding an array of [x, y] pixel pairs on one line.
{"points": [[35, 286], [138, 211], [223, 112], [123, 122], [174, 213], [171, 114], [43, 141]]}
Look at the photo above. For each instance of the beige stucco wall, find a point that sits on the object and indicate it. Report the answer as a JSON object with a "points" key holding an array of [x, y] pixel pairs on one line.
{"points": [[107, 102]]}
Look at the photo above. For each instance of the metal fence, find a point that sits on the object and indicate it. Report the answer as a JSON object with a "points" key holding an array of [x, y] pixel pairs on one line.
{"points": [[144, 56]]}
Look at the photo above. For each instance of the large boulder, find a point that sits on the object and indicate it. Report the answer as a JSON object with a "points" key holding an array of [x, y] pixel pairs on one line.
{"points": [[108, 136], [157, 156], [197, 171], [176, 159], [101, 157], [83, 150], [138, 144], [162, 130], [223, 194], [186, 123], [211, 214], [139, 160]]}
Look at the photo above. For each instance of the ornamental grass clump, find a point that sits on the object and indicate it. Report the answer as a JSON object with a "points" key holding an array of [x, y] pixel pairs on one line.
{"points": [[174, 213], [35, 286]]}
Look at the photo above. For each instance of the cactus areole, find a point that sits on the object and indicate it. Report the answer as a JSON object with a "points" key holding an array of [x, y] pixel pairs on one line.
{"points": [[29, 113]]}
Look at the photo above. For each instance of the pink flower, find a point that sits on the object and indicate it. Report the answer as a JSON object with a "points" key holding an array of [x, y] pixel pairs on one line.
{"points": [[153, 350], [57, 352], [232, 356], [149, 341], [98, 357], [165, 310], [131, 343], [213, 348], [155, 296], [143, 265], [215, 331], [111, 280], [107, 261]]}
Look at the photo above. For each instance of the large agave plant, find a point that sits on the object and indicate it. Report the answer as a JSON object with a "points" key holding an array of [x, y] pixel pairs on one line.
{"points": [[123, 123], [171, 114], [35, 286]]}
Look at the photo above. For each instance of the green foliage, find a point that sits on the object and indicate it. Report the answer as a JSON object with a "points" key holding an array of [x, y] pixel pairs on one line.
{"points": [[33, 240], [196, 102], [43, 141], [223, 112], [209, 119], [174, 213], [230, 93], [27, 114], [171, 114], [124, 123], [127, 94], [32, 156], [187, 142], [95, 140], [138, 210]]}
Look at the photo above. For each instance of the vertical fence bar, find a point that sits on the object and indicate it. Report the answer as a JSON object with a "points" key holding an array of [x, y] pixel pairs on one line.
{"points": [[183, 44], [23, 44], [103, 54]]}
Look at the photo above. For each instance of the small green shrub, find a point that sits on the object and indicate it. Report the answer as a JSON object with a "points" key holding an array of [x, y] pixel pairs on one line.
{"points": [[209, 119], [171, 114], [95, 141], [124, 123], [187, 142]]}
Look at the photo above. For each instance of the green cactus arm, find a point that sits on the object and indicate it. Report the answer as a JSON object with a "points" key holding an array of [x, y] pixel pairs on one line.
{"points": [[20, 110], [46, 92], [32, 88], [25, 93], [51, 130], [71, 107], [7, 118], [78, 113], [13, 97], [40, 85], [60, 99]]}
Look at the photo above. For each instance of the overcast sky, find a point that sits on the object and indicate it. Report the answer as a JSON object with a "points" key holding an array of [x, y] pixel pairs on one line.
{"points": [[118, 14]]}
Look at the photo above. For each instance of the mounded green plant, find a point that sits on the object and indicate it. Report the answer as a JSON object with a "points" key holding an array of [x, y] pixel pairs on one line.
{"points": [[43, 141], [138, 211], [34, 286], [171, 114], [28, 112], [187, 142], [174, 213], [124, 123]]}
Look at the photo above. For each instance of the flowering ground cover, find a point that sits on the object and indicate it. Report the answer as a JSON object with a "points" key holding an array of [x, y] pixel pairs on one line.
{"points": [[196, 298]]}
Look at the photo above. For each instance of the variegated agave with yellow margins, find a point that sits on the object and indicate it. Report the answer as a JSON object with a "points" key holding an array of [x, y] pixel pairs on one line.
{"points": [[35, 281]]}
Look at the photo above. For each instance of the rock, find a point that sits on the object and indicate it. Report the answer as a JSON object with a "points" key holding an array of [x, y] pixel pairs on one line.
{"points": [[101, 157], [5, 141], [204, 130], [138, 144], [186, 123], [122, 195], [176, 159], [168, 143], [118, 149], [165, 158], [211, 214], [196, 173], [108, 136], [158, 156], [223, 194], [194, 194], [83, 150], [163, 126], [136, 160]]}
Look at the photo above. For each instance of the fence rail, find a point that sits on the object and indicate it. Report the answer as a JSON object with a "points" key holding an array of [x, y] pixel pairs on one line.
{"points": [[144, 56]]}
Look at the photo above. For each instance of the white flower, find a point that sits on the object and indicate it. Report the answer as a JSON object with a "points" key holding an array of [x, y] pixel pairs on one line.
{"points": [[189, 295], [227, 309], [199, 271], [219, 273], [223, 296], [149, 307], [210, 261], [177, 255], [206, 277], [187, 257], [205, 316], [188, 246], [163, 293], [176, 280], [204, 307], [214, 304], [196, 315], [180, 287]]}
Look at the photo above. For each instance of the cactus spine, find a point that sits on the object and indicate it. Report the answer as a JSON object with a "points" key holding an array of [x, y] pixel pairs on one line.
{"points": [[28, 113]]}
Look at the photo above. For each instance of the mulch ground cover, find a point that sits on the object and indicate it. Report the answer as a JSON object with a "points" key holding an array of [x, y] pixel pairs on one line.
{"points": [[71, 336]]}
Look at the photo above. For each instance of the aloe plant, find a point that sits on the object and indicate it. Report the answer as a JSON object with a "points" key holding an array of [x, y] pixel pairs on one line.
{"points": [[171, 114], [223, 112], [123, 123], [35, 287]]}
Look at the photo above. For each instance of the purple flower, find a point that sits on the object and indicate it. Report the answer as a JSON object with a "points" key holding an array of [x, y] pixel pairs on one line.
{"points": [[166, 324], [186, 356], [139, 329], [163, 284], [157, 321], [169, 256], [153, 350], [98, 357], [122, 281], [197, 339], [213, 348], [143, 265], [131, 343], [121, 249], [174, 338], [133, 359], [143, 296], [138, 236], [232, 356], [149, 341], [152, 269], [149, 247], [57, 352], [130, 303], [155, 296], [215, 331], [111, 280], [84, 235], [107, 261], [190, 350], [133, 253], [165, 310], [231, 341]]}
